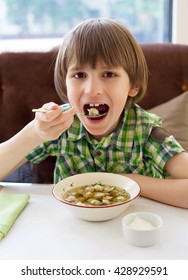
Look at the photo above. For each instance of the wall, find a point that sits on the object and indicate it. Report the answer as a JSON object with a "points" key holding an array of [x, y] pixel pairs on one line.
{"points": [[180, 22]]}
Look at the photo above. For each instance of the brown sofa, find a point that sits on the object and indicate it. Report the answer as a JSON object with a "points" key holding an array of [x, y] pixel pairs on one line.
{"points": [[26, 82]]}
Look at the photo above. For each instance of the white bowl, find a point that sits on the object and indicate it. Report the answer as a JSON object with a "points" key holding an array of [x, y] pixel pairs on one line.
{"points": [[97, 213], [142, 228]]}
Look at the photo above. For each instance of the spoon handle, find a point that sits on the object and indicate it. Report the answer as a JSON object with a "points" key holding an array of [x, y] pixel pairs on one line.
{"points": [[64, 108]]}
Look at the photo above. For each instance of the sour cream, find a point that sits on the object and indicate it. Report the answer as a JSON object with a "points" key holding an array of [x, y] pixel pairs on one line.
{"points": [[140, 224]]}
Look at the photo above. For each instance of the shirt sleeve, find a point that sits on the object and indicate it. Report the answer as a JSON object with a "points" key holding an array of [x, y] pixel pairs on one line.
{"points": [[159, 151], [41, 152]]}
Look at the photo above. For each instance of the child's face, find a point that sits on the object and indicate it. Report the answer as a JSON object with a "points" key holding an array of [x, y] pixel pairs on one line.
{"points": [[104, 85]]}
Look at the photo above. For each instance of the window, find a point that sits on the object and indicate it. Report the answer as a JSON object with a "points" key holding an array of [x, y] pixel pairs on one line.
{"points": [[149, 21]]}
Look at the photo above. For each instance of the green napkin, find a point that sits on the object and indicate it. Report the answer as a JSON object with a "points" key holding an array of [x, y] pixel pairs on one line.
{"points": [[11, 206]]}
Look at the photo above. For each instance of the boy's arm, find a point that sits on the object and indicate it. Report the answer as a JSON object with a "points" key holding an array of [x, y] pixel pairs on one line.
{"points": [[177, 166], [169, 191], [13, 152], [44, 127]]}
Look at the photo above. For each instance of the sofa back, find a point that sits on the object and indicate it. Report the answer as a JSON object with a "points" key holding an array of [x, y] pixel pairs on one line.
{"points": [[168, 72], [26, 82]]}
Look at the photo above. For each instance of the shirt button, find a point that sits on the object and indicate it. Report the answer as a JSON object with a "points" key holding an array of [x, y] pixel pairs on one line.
{"points": [[99, 153]]}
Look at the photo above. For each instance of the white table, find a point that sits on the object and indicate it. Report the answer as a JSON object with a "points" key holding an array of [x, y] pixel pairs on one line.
{"points": [[46, 230]]}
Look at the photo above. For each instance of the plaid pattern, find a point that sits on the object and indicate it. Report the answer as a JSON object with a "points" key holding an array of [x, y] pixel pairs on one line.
{"points": [[129, 149]]}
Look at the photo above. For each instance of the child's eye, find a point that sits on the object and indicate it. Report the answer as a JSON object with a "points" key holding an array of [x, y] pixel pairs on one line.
{"points": [[80, 75], [109, 74]]}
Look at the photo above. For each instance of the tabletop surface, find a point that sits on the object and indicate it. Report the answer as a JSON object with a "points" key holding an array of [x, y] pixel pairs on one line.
{"points": [[47, 230]]}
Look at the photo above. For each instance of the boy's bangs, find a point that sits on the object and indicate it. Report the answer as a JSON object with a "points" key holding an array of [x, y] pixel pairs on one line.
{"points": [[93, 48]]}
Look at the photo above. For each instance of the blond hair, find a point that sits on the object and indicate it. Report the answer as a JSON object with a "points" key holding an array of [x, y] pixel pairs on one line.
{"points": [[106, 40]]}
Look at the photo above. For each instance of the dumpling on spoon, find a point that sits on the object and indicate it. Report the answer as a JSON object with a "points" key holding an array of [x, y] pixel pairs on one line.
{"points": [[93, 112]]}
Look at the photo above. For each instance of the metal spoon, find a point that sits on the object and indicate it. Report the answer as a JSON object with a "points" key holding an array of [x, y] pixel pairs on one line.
{"points": [[67, 106]]}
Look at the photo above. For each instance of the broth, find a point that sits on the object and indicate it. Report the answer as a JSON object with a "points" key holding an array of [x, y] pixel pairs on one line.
{"points": [[96, 195]]}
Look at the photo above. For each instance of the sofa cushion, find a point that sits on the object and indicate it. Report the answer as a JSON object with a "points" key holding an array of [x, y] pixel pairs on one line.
{"points": [[174, 116]]}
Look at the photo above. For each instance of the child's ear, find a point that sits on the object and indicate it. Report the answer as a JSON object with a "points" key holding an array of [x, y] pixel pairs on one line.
{"points": [[134, 91]]}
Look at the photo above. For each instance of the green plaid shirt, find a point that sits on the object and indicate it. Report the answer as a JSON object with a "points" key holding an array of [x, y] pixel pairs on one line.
{"points": [[129, 149]]}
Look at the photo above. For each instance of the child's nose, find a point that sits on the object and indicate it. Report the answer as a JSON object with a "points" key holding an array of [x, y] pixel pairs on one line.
{"points": [[93, 87]]}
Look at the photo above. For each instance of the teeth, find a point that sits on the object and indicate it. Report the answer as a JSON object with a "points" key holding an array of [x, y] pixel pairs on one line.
{"points": [[95, 105]]}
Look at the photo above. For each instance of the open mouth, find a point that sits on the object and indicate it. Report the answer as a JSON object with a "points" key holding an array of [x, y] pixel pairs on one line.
{"points": [[95, 110]]}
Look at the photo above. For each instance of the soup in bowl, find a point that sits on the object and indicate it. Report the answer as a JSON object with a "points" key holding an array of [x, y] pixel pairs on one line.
{"points": [[96, 196]]}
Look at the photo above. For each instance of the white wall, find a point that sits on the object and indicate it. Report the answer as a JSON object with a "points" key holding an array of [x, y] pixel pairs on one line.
{"points": [[180, 22]]}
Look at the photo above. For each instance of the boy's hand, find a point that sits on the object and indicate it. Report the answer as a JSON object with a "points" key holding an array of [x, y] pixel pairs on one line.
{"points": [[50, 125]]}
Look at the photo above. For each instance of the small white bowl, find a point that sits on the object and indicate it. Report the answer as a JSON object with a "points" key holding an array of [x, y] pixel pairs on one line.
{"points": [[97, 213], [142, 228]]}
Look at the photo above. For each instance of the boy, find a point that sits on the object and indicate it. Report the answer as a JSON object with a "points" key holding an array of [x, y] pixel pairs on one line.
{"points": [[100, 69]]}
